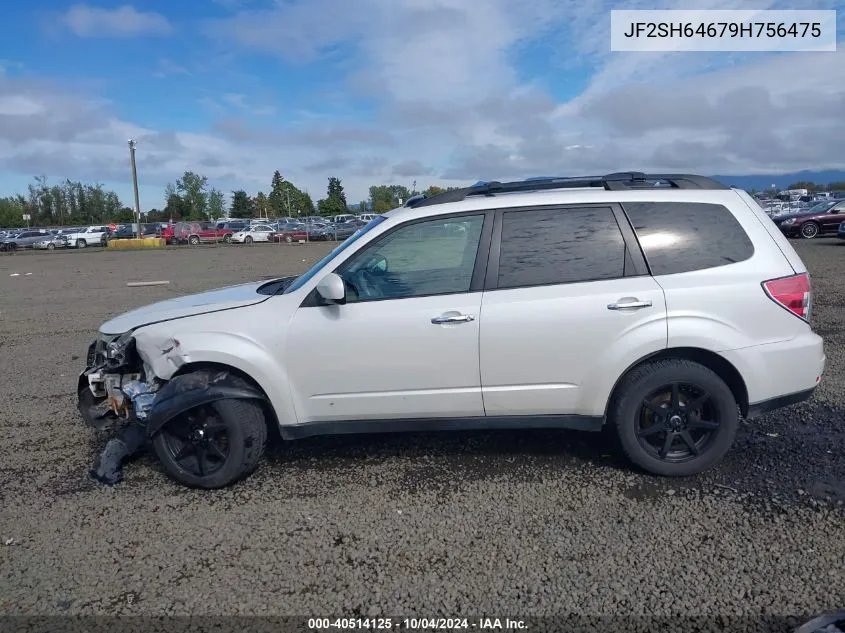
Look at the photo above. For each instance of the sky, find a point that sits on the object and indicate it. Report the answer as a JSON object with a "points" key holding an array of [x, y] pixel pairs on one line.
{"points": [[443, 92]]}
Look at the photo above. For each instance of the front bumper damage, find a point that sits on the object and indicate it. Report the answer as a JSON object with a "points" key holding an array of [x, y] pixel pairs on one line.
{"points": [[119, 391], [113, 395]]}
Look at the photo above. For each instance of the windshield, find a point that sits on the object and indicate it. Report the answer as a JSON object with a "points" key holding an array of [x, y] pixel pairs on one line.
{"points": [[303, 279], [822, 207]]}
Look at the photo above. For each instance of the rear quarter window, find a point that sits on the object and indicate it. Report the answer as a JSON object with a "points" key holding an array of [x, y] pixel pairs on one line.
{"points": [[680, 237]]}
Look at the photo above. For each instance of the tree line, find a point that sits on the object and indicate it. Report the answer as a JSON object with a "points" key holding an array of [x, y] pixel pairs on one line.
{"points": [[192, 197], [66, 204]]}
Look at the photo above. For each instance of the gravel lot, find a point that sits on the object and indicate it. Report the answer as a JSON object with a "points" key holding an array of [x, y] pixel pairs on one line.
{"points": [[507, 524]]}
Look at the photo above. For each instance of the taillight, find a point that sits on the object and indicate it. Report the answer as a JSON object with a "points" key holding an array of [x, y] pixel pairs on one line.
{"points": [[793, 293]]}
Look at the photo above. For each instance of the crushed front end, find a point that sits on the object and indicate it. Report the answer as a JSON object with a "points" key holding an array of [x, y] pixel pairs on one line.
{"points": [[115, 389], [114, 392]]}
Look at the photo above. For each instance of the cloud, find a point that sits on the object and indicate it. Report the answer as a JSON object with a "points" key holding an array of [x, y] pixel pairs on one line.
{"points": [[124, 21], [459, 92], [408, 168], [450, 92], [167, 67]]}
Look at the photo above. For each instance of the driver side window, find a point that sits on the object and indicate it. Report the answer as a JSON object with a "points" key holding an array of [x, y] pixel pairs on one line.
{"points": [[432, 257]]}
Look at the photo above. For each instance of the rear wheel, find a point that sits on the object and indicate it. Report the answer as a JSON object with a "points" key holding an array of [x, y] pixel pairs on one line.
{"points": [[674, 417], [809, 230], [214, 445], [227, 239], [288, 239]]}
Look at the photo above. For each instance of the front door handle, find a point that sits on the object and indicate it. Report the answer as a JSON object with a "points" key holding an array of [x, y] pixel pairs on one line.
{"points": [[627, 304], [453, 318]]}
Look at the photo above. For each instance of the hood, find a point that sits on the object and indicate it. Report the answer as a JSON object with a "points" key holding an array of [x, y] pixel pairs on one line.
{"points": [[792, 216], [230, 297]]}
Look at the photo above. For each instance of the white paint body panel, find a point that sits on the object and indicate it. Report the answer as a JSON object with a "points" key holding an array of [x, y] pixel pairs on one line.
{"points": [[559, 349], [221, 299], [385, 359]]}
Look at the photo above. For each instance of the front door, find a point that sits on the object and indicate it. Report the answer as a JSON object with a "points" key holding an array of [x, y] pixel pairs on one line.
{"points": [[833, 218], [405, 345]]}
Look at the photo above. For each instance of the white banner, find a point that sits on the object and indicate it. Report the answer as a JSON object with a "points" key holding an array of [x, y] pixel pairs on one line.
{"points": [[722, 30]]}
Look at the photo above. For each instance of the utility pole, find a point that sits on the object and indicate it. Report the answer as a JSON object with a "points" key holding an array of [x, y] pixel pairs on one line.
{"points": [[135, 186]]}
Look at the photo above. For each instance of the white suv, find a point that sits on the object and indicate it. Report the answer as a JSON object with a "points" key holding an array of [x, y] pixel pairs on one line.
{"points": [[91, 236], [667, 306]]}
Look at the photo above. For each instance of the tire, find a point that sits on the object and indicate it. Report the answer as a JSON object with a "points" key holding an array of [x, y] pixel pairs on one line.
{"points": [[227, 239], [642, 430], [51, 247], [248, 239], [288, 239], [194, 240], [809, 230], [241, 421], [81, 243]]}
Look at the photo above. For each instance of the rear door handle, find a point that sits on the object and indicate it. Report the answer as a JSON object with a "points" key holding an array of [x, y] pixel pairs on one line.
{"points": [[453, 318], [627, 304]]}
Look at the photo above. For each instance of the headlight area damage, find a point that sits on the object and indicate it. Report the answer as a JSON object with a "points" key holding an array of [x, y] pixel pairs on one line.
{"points": [[119, 391]]}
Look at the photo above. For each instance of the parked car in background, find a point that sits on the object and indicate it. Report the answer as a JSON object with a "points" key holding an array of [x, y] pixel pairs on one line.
{"points": [[90, 236], [230, 227], [293, 232], [128, 232], [820, 219], [51, 242], [201, 232], [254, 233], [26, 238], [345, 217], [343, 230]]}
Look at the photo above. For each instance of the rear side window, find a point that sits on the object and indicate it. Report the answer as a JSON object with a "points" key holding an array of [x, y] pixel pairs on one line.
{"points": [[558, 246], [680, 237]]}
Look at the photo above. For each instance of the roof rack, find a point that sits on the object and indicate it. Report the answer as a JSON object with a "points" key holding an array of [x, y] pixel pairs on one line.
{"points": [[618, 181]]}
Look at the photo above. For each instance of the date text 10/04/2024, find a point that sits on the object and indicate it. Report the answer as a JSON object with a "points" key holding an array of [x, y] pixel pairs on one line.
{"points": [[414, 624]]}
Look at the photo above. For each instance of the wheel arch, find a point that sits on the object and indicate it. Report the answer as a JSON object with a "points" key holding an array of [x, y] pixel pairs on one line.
{"points": [[270, 416], [713, 361]]}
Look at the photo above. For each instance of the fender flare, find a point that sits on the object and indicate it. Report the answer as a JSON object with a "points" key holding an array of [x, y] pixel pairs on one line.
{"points": [[188, 391]]}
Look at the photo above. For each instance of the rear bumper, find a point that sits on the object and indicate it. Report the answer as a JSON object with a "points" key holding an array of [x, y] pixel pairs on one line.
{"points": [[759, 408], [777, 372]]}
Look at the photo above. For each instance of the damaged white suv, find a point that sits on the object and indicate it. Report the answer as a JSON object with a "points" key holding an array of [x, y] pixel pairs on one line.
{"points": [[665, 305]]}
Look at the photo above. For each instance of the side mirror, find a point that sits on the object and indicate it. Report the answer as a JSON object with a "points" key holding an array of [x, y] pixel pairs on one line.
{"points": [[331, 289]]}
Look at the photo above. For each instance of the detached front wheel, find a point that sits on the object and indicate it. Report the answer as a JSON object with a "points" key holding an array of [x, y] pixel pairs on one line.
{"points": [[674, 417], [213, 445]]}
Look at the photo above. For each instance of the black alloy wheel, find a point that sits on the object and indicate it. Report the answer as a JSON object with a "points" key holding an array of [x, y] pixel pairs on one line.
{"points": [[674, 417], [198, 442], [677, 422]]}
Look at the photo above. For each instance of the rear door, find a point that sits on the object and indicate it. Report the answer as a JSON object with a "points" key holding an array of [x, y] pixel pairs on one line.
{"points": [[568, 305]]}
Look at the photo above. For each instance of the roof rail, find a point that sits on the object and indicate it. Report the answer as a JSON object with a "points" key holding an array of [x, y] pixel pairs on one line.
{"points": [[618, 181]]}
